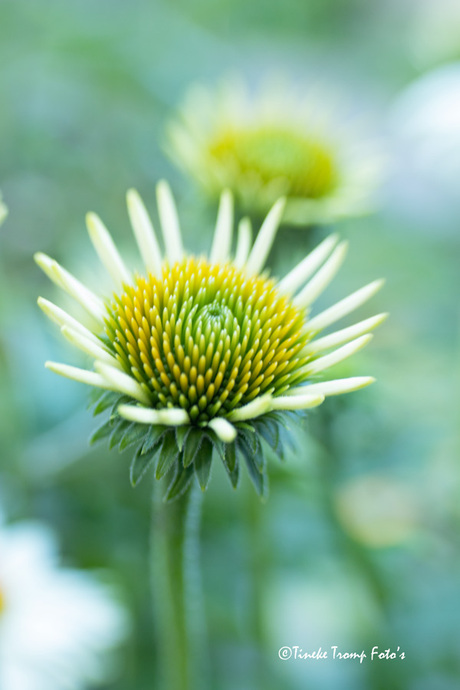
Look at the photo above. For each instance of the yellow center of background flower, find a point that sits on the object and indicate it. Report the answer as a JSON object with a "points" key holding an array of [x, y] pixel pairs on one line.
{"points": [[207, 337], [2, 601], [270, 152]]}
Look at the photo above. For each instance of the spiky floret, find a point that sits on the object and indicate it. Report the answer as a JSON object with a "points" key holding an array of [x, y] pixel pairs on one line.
{"points": [[207, 338], [204, 356], [271, 141]]}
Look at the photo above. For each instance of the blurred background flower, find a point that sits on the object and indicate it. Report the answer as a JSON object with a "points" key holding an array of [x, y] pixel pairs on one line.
{"points": [[276, 140], [84, 108], [425, 124], [58, 627]]}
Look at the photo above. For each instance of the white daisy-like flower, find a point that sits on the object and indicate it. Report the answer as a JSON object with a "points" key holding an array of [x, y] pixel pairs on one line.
{"points": [[208, 345], [57, 626], [270, 143]]}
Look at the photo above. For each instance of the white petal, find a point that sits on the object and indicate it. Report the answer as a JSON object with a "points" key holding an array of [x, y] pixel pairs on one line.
{"points": [[3, 212], [223, 429], [91, 378], [300, 273], [337, 356], [122, 382], [244, 242], [296, 402], [173, 416], [62, 318], [83, 343], [223, 234], [66, 281], [344, 335], [264, 240], [253, 409], [336, 387], [344, 307], [169, 222], [106, 250], [322, 279], [144, 233]]}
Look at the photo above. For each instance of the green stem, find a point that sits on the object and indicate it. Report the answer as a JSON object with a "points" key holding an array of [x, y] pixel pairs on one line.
{"points": [[176, 590]]}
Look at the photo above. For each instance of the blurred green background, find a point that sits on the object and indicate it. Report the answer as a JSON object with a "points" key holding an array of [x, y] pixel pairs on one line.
{"points": [[358, 544]]}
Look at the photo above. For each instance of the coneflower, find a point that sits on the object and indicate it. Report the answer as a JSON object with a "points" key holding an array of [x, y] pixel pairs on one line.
{"points": [[203, 356]]}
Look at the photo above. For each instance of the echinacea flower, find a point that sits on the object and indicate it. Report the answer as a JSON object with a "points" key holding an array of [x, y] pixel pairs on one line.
{"points": [[203, 355], [58, 627], [271, 143]]}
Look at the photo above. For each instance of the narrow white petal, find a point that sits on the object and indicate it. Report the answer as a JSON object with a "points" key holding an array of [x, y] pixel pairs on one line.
{"points": [[336, 387], [173, 416], [296, 402], [244, 242], [223, 429], [337, 356], [3, 212], [344, 335], [66, 281], [344, 307], [122, 382], [253, 409], [300, 273], [91, 378], [322, 279], [106, 250], [144, 233], [264, 240], [62, 318], [87, 345], [46, 263], [169, 222], [223, 234]]}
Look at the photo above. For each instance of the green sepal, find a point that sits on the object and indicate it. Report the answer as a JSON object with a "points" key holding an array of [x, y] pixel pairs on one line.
{"points": [[190, 449], [268, 429], [203, 461], [180, 483], [168, 452], [181, 435], [119, 430], [255, 462], [106, 400], [231, 463], [153, 437], [102, 431], [140, 463], [133, 434], [218, 445]]}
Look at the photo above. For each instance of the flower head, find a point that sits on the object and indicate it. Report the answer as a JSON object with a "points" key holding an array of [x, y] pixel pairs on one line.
{"points": [[56, 625], [269, 144], [200, 353]]}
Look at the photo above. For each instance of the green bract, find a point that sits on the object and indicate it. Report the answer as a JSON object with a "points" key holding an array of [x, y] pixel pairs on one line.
{"points": [[180, 453]]}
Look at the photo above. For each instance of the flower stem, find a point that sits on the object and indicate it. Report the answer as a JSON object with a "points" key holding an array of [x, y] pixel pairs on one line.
{"points": [[176, 590]]}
